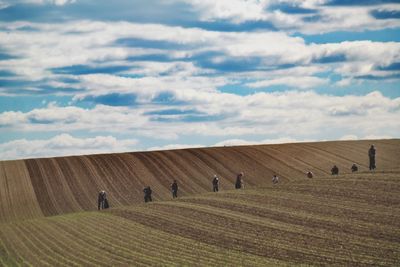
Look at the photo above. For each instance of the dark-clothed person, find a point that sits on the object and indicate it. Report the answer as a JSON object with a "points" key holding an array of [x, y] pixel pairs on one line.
{"points": [[215, 183], [371, 155], [174, 189], [147, 194], [239, 181], [335, 170], [102, 202], [354, 168], [310, 174]]}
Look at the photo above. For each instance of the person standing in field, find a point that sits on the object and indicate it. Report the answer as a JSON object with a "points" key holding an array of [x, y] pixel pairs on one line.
{"points": [[174, 189], [275, 179], [147, 194], [215, 183], [371, 155], [310, 174], [102, 202], [354, 168], [239, 181], [335, 170]]}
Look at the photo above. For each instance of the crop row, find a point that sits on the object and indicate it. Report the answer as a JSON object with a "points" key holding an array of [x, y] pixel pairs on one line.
{"points": [[100, 239]]}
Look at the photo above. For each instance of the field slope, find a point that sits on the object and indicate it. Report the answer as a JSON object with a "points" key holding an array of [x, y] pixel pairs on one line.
{"points": [[48, 217], [35, 188], [353, 220]]}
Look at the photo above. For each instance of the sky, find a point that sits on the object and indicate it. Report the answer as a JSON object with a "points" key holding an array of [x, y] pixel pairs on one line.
{"points": [[99, 76]]}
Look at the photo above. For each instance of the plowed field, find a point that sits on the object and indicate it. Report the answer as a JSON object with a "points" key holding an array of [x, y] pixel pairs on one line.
{"points": [[349, 221], [346, 220], [51, 186]]}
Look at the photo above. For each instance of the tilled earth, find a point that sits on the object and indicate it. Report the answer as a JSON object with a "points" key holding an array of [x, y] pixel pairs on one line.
{"points": [[35, 188], [47, 215], [294, 223]]}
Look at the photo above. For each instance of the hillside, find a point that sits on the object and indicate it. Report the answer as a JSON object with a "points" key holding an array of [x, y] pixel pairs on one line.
{"points": [[34, 188], [353, 220]]}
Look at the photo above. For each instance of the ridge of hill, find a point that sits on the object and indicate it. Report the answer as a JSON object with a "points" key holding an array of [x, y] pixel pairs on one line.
{"points": [[34, 188]]}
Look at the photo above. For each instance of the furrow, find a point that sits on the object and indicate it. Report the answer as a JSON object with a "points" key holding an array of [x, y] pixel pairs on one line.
{"points": [[299, 232], [55, 236], [50, 252], [97, 246], [368, 231]]}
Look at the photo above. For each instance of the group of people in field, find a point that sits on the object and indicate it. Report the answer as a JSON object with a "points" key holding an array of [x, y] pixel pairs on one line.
{"points": [[354, 167], [239, 183]]}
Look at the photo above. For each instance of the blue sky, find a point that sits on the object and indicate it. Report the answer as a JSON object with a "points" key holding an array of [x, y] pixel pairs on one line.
{"points": [[97, 76]]}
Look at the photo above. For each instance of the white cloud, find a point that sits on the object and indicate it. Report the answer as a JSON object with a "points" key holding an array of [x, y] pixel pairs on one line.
{"points": [[344, 82], [174, 146], [325, 19], [349, 137], [63, 145], [9, 118], [329, 18], [348, 18], [301, 115], [241, 142], [303, 82], [192, 88], [235, 142], [146, 88], [62, 2], [40, 51], [38, 2], [176, 69], [375, 137], [367, 137], [235, 10]]}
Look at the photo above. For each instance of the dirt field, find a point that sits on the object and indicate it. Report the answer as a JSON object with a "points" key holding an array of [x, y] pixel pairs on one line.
{"points": [[353, 220], [41, 187], [348, 220]]}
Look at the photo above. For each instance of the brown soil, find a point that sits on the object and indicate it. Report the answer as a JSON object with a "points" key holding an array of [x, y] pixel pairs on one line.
{"points": [[36, 187]]}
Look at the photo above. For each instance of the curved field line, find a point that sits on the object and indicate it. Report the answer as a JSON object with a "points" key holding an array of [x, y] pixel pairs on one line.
{"points": [[368, 231], [277, 165], [71, 184], [177, 224], [6, 258], [346, 220], [184, 245], [283, 251], [205, 260], [188, 181], [17, 196], [289, 228], [250, 237], [277, 224], [152, 246], [309, 207], [84, 247], [45, 259], [19, 248], [226, 172], [52, 236], [47, 245], [301, 154], [97, 241], [307, 200]]}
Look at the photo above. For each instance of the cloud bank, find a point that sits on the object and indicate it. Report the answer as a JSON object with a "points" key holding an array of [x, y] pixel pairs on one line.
{"points": [[177, 73]]}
